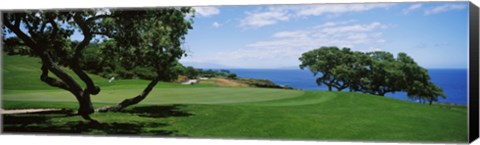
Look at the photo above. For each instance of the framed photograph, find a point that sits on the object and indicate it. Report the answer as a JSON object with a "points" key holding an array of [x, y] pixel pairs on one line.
{"points": [[357, 72]]}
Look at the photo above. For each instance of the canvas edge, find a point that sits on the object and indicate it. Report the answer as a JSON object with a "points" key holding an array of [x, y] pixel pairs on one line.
{"points": [[473, 101]]}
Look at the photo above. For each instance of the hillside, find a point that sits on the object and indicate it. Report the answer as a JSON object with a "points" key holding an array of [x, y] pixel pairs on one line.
{"points": [[206, 110]]}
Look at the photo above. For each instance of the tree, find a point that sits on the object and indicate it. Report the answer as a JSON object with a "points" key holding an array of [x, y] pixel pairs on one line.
{"points": [[375, 73], [47, 35], [232, 76], [425, 91], [323, 61], [191, 72], [161, 34]]}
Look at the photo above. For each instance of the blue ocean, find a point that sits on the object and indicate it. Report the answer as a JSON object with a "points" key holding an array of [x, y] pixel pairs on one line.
{"points": [[452, 81]]}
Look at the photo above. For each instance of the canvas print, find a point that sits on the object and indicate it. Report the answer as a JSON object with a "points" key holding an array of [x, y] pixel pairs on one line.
{"points": [[386, 72]]}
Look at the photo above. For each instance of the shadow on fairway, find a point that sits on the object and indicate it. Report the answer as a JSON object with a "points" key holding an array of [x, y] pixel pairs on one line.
{"points": [[39, 122], [75, 127], [37, 117], [159, 111]]}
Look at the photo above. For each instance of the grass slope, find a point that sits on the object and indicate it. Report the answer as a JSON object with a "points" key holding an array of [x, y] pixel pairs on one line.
{"points": [[227, 112]]}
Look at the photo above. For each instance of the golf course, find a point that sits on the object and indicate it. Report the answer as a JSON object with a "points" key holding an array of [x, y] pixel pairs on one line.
{"points": [[213, 111]]}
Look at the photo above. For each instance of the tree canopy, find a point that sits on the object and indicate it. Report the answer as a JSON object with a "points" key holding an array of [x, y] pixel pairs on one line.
{"points": [[377, 72]]}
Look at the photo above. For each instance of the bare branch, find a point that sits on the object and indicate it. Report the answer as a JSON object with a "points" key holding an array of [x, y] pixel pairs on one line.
{"points": [[44, 24], [16, 29], [91, 88], [17, 22], [54, 26], [131, 101]]}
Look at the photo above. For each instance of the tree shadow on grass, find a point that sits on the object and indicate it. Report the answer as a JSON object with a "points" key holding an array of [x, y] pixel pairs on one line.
{"points": [[159, 111], [79, 127], [36, 117], [39, 123]]}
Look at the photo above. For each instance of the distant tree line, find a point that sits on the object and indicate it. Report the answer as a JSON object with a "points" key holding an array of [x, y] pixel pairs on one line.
{"points": [[377, 73], [192, 72]]}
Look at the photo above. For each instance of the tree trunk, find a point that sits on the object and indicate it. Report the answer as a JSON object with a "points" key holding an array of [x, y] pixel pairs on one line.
{"points": [[132, 101], [65, 81], [430, 102], [329, 88], [68, 83]]}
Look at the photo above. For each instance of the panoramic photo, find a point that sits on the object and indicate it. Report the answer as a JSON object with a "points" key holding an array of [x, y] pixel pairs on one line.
{"points": [[391, 72]]}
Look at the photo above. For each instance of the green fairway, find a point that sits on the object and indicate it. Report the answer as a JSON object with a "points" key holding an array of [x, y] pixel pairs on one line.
{"points": [[226, 112]]}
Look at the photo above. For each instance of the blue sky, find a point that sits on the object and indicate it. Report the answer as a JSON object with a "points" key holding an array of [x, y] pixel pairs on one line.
{"points": [[435, 34]]}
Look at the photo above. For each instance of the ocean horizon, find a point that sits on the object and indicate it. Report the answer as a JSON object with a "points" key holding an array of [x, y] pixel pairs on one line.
{"points": [[453, 81]]}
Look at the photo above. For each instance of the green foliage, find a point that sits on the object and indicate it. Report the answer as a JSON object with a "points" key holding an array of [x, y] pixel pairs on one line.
{"points": [[135, 43], [376, 72], [384, 75], [11, 47], [191, 72], [151, 39], [232, 76], [323, 61]]}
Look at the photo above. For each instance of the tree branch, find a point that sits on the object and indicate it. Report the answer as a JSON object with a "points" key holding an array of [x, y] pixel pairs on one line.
{"points": [[17, 22], [51, 81], [16, 29], [52, 67], [131, 101], [91, 19], [91, 88], [54, 26], [44, 24], [30, 30]]}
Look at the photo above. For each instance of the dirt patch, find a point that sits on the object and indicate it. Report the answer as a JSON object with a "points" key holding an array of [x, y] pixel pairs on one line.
{"points": [[23, 111]]}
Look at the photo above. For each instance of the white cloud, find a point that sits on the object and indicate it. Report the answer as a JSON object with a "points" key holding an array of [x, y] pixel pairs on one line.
{"points": [[291, 34], [338, 9], [412, 8], [285, 47], [445, 8], [216, 24], [354, 28], [207, 11], [331, 24], [275, 14], [259, 19]]}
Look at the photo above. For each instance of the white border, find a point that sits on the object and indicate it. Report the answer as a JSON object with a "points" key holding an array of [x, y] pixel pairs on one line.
{"points": [[43, 4], [83, 140]]}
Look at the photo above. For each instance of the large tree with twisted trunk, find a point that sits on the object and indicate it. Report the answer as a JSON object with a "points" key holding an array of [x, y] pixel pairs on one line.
{"points": [[157, 45], [149, 37]]}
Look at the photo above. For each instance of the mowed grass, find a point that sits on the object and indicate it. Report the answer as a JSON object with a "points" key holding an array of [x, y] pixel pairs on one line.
{"points": [[207, 111]]}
